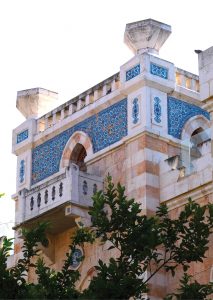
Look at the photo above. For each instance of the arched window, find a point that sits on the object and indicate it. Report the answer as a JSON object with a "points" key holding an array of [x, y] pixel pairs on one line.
{"points": [[194, 148], [198, 138], [78, 156], [196, 142]]}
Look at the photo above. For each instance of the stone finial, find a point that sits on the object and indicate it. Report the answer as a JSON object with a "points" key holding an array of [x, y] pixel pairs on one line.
{"points": [[35, 102], [146, 36]]}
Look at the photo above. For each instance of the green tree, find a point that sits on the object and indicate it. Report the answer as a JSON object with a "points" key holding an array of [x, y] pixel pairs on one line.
{"points": [[144, 245], [13, 284], [191, 289], [51, 284]]}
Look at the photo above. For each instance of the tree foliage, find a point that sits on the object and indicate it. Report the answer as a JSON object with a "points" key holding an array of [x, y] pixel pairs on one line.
{"points": [[142, 246], [146, 244], [191, 289]]}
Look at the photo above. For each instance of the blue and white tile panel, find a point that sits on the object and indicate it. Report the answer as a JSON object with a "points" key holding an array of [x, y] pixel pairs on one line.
{"points": [[22, 171], [179, 112], [22, 136], [158, 71], [104, 129], [133, 72], [135, 111], [157, 110]]}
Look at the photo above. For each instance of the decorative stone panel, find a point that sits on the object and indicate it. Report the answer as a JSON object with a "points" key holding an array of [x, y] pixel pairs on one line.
{"points": [[158, 71], [135, 71], [104, 129], [179, 112]]}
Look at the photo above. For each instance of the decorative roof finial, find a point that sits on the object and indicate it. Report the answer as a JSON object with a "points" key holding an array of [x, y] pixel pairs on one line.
{"points": [[146, 36]]}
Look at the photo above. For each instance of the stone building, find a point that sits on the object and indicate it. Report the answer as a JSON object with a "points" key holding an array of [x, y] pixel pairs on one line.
{"points": [[149, 126]]}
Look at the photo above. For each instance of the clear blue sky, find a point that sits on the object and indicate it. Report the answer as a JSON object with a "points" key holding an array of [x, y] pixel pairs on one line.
{"points": [[69, 45]]}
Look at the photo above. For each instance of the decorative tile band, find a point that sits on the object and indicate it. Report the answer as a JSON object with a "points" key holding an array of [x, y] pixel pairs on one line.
{"points": [[22, 171], [135, 111], [22, 136], [157, 110], [135, 71], [159, 71], [104, 129], [179, 112]]}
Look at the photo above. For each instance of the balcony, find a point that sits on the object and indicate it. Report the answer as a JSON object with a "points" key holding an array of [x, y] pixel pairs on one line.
{"points": [[61, 199]]}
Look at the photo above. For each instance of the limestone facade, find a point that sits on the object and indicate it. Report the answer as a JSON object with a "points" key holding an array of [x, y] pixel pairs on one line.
{"points": [[149, 126]]}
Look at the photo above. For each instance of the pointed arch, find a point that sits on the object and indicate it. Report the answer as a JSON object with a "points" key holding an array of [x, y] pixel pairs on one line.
{"points": [[78, 138]]}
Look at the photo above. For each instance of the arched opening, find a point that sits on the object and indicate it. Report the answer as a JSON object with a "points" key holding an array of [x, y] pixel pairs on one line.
{"points": [[78, 156], [78, 147], [196, 131], [196, 142], [195, 147], [199, 139]]}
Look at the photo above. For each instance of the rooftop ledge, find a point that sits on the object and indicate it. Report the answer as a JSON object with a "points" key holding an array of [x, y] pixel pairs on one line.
{"points": [[184, 79]]}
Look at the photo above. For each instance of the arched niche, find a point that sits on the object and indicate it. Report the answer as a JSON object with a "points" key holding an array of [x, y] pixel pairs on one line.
{"points": [[78, 147]]}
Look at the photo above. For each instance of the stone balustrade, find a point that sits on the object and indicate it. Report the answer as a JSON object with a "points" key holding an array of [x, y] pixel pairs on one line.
{"points": [[183, 79], [78, 103], [187, 80], [71, 186]]}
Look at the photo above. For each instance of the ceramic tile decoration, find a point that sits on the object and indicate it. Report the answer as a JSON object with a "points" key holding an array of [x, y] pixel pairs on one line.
{"points": [[158, 71], [157, 110], [22, 136], [104, 129], [135, 111], [179, 112], [22, 171], [135, 71]]}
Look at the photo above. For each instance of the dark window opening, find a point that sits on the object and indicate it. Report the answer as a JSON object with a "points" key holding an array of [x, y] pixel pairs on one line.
{"points": [[78, 156]]}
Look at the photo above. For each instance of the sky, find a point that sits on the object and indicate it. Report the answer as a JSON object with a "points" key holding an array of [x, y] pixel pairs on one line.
{"points": [[67, 46]]}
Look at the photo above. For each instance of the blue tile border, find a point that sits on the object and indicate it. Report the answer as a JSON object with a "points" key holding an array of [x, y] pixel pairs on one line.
{"points": [[179, 112], [104, 129]]}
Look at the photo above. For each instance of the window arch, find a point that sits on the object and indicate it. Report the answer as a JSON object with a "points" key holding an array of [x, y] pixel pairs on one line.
{"points": [[194, 124], [78, 156], [78, 149], [195, 135]]}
